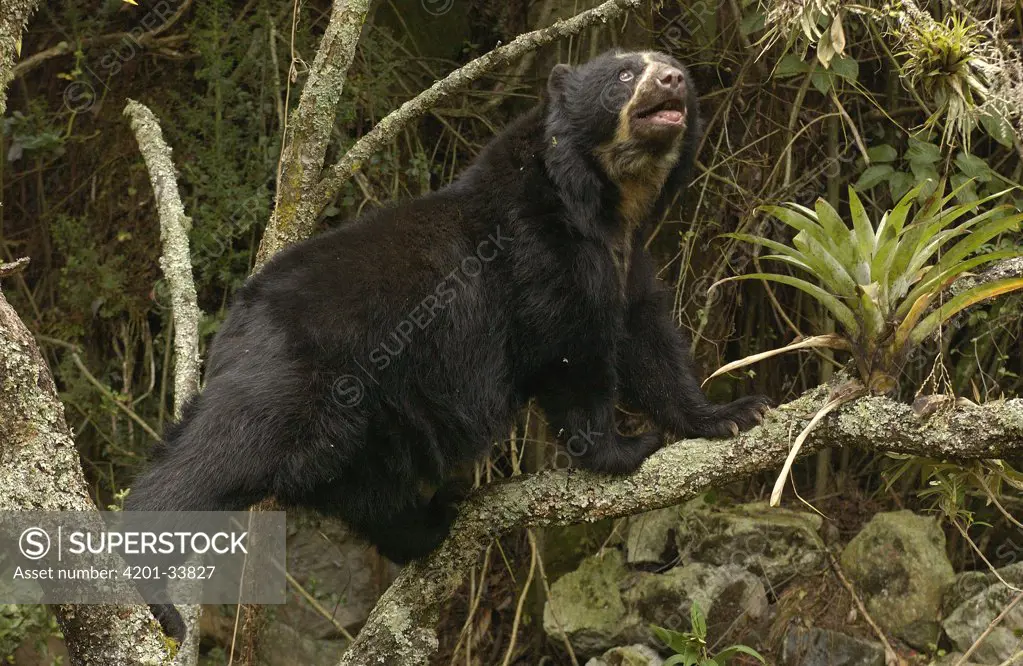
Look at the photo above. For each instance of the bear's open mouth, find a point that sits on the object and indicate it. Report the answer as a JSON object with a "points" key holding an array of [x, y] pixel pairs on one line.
{"points": [[671, 111]]}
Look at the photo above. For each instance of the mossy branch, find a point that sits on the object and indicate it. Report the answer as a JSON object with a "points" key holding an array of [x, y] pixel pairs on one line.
{"points": [[295, 214], [401, 628], [175, 260], [308, 130]]}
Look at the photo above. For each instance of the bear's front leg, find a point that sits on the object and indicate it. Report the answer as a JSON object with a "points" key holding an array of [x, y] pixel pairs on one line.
{"points": [[657, 377], [578, 399]]}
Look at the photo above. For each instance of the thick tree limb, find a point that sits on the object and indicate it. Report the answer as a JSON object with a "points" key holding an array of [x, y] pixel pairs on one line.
{"points": [[288, 226], [308, 131], [176, 262], [41, 471], [14, 14], [400, 630]]}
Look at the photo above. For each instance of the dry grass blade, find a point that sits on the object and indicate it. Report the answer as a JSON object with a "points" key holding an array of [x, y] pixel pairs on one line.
{"points": [[843, 394], [830, 341]]}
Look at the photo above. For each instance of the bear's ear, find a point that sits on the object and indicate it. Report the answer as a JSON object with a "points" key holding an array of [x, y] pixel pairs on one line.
{"points": [[556, 81]]}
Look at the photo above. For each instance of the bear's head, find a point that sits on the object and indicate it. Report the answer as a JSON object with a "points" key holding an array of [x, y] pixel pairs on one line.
{"points": [[632, 110]]}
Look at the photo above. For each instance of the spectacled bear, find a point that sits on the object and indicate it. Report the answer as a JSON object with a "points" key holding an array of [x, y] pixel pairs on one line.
{"points": [[361, 364]]}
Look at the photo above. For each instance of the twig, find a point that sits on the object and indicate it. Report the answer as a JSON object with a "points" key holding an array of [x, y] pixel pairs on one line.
{"points": [[146, 39]]}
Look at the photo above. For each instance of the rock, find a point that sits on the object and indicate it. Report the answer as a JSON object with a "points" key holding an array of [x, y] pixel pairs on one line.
{"points": [[970, 583], [651, 535], [952, 659], [727, 595], [565, 546], [981, 598], [777, 544], [281, 645], [630, 655], [821, 647], [586, 605], [898, 564], [342, 572]]}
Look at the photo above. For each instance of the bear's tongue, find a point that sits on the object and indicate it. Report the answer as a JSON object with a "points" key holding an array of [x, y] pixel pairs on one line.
{"points": [[666, 116]]}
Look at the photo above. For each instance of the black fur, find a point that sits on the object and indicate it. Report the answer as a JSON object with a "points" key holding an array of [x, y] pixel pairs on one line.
{"points": [[373, 359]]}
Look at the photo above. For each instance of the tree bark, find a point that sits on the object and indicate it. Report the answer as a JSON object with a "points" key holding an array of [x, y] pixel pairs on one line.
{"points": [[13, 17], [401, 628], [40, 470]]}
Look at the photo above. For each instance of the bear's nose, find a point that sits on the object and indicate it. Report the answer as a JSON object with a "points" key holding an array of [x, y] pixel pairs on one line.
{"points": [[669, 78]]}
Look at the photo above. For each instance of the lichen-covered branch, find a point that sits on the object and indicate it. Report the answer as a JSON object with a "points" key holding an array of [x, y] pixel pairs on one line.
{"points": [[176, 261], [291, 224], [308, 131], [14, 14], [41, 471], [400, 630]]}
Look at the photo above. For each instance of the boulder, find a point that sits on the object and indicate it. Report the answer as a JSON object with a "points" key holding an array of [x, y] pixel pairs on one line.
{"points": [[727, 595], [650, 536], [898, 564], [821, 647], [979, 598], [776, 544], [586, 606], [630, 655], [952, 659]]}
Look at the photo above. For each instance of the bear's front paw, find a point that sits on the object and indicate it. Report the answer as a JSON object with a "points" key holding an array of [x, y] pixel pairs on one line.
{"points": [[731, 419]]}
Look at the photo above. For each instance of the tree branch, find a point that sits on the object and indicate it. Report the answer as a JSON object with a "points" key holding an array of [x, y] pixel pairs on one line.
{"points": [[308, 132], [401, 627], [42, 471], [289, 225], [175, 259], [176, 262]]}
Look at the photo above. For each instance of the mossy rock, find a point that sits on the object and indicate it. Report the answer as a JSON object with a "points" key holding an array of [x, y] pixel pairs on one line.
{"points": [[586, 606], [898, 564], [777, 544], [630, 655], [728, 596], [983, 598]]}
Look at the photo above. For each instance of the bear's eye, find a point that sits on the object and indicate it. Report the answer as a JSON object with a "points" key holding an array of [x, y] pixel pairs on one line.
{"points": [[625, 76]]}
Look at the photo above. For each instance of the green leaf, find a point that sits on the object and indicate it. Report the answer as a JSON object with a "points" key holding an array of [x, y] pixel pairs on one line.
{"points": [[974, 167], [873, 175], [937, 277], [790, 65], [922, 152], [753, 22], [882, 153], [899, 183], [998, 128], [823, 80], [734, 650], [863, 231], [683, 659], [699, 621], [839, 310], [846, 67], [959, 303]]}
